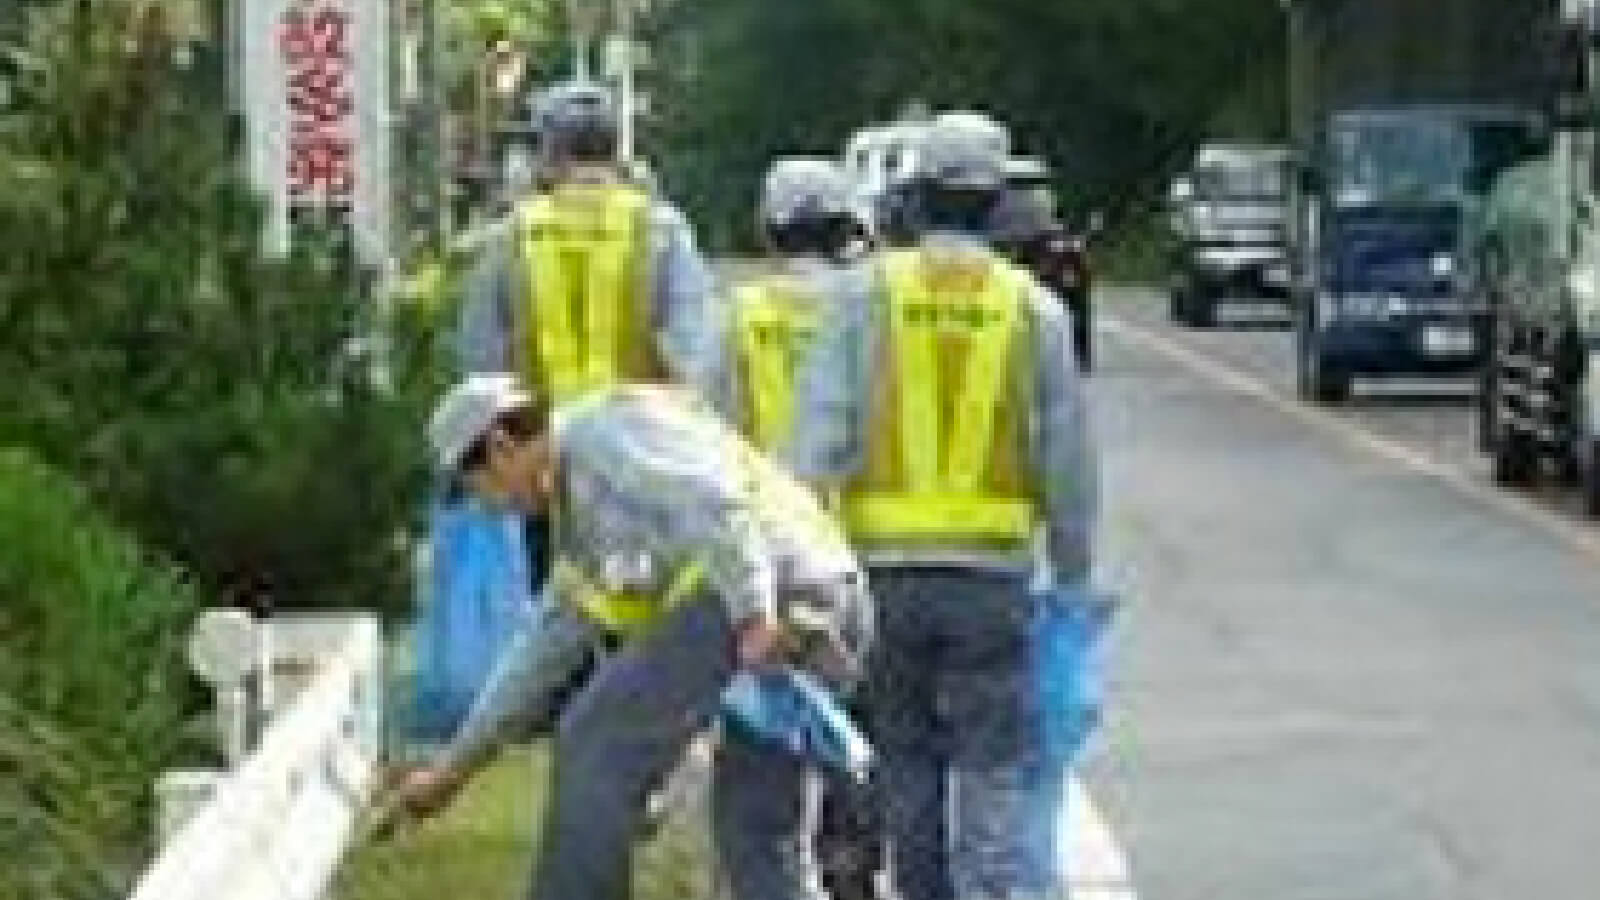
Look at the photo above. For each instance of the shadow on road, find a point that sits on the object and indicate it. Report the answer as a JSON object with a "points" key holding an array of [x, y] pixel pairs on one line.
{"points": [[1442, 398]]}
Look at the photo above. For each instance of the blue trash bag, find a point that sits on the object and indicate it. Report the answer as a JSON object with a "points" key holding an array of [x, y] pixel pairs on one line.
{"points": [[1072, 626], [787, 708], [478, 594]]}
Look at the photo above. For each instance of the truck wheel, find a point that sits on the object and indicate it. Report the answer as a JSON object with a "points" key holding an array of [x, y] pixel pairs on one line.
{"points": [[1178, 304], [1202, 307], [1485, 402], [1515, 458], [1317, 381], [1589, 482], [1192, 303]]}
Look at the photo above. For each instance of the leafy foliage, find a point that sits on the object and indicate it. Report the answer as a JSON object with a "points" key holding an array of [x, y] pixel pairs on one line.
{"points": [[92, 690], [212, 398], [1113, 92]]}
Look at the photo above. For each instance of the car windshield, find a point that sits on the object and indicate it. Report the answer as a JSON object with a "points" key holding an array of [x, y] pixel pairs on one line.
{"points": [[1239, 181], [1424, 159]]}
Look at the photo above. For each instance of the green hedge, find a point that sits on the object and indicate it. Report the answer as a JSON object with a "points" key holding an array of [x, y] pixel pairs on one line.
{"points": [[93, 689], [240, 414]]}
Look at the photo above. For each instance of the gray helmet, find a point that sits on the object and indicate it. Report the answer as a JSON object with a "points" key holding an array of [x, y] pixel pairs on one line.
{"points": [[576, 120], [961, 153], [801, 189]]}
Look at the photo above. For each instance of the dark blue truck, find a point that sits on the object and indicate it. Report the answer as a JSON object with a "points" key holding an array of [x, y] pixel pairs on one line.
{"points": [[1401, 115]]}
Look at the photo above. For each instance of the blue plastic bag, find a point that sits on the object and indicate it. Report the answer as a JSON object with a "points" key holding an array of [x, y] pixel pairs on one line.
{"points": [[1071, 630], [1072, 626], [789, 709], [477, 594]]}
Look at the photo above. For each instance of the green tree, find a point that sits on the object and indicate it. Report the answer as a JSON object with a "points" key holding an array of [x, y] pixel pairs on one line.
{"points": [[205, 394], [93, 692], [1114, 92]]}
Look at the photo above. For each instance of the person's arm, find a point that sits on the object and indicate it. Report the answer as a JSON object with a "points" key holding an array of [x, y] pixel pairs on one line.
{"points": [[540, 661], [1065, 461], [684, 308], [724, 386], [486, 332]]}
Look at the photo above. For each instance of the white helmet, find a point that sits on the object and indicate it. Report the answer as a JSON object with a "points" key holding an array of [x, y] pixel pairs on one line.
{"points": [[961, 152], [801, 189]]}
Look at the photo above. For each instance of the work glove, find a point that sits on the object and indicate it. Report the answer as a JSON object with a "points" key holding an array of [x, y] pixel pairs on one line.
{"points": [[827, 626]]}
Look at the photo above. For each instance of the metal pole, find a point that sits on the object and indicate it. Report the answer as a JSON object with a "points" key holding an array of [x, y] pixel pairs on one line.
{"points": [[581, 24], [433, 173], [624, 16], [580, 58]]}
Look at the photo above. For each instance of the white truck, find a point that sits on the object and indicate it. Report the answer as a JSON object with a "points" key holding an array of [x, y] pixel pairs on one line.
{"points": [[1229, 212]]}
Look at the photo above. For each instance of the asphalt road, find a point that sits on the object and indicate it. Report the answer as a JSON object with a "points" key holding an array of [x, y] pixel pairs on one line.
{"points": [[1350, 668]]}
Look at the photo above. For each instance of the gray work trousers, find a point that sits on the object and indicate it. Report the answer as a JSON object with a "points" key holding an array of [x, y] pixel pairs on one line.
{"points": [[955, 710], [765, 810], [623, 734]]}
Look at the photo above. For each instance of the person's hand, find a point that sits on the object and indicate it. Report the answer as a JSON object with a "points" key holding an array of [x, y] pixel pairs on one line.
{"points": [[422, 793], [758, 640]]}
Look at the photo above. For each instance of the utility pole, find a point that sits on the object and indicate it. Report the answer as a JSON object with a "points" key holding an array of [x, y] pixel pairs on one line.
{"points": [[625, 86], [582, 20]]}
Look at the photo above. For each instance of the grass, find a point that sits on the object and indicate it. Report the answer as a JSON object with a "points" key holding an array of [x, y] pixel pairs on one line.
{"points": [[481, 848]]}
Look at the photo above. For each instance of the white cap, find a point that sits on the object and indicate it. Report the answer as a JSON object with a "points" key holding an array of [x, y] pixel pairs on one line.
{"points": [[468, 410], [801, 187]]}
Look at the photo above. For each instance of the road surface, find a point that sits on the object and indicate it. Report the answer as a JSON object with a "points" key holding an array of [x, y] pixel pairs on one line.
{"points": [[1351, 668]]}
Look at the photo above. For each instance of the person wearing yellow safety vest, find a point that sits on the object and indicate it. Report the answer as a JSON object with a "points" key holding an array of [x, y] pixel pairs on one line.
{"points": [[949, 416], [676, 536], [590, 281], [808, 223]]}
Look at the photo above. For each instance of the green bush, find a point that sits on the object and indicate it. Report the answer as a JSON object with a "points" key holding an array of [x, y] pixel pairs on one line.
{"points": [[226, 406], [93, 690]]}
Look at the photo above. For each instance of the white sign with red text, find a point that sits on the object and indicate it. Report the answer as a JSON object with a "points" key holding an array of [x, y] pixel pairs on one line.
{"points": [[316, 99]]}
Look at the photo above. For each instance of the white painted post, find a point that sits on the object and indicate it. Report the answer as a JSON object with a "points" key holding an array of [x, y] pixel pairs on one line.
{"points": [[276, 827], [224, 650]]}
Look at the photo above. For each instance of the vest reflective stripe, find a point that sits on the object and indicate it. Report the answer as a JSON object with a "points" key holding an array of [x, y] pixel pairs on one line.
{"points": [[625, 613], [776, 330], [931, 516], [585, 246], [952, 346]]}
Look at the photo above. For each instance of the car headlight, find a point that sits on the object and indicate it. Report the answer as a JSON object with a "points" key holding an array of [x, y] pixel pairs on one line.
{"points": [[1443, 265], [1583, 286]]}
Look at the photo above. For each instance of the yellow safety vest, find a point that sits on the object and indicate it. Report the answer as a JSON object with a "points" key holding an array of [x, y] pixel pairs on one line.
{"points": [[624, 613], [589, 322], [947, 439], [777, 325]]}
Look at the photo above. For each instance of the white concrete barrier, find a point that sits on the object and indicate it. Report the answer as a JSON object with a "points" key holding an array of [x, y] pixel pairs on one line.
{"points": [[276, 827]]}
